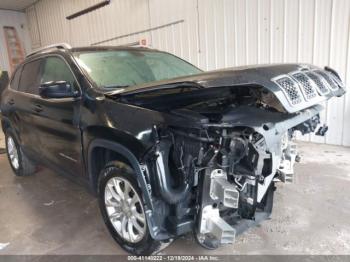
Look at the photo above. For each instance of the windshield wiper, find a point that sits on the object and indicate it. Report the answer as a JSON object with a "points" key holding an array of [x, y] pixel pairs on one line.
{"points": [[114, 86], [147, 89]]}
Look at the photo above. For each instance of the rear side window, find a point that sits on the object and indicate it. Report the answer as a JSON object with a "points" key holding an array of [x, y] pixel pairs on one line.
{"points": [[15, 79], [29, 82]]}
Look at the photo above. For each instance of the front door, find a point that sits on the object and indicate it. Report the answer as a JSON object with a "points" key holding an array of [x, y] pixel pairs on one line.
{"points": [[57, 120]]}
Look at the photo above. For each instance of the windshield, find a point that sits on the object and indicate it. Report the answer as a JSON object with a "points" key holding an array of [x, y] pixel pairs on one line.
{"points": [[121, 68]]}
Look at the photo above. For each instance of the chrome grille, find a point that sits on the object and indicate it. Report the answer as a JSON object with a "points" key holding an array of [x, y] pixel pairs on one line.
{"points": [[306, 84], [337, 79], [321, 84], [332, 84], [290, 87]]}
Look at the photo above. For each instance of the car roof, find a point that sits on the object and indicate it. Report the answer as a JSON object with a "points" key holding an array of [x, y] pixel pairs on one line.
{"points": [[64, 48], [57, 49], [110, 48]]}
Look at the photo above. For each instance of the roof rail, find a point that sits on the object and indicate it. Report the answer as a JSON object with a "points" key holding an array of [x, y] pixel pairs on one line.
{"points": [[58, 46]]}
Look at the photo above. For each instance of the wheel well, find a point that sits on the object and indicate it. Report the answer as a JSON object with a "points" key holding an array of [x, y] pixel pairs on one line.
{"points": [[99, 157]]}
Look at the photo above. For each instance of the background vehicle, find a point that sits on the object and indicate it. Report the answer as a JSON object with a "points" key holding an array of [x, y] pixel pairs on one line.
{"points": [[167, 148]]}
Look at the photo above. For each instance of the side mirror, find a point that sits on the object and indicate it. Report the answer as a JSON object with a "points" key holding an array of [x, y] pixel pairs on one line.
{"points": [[58, 89]]}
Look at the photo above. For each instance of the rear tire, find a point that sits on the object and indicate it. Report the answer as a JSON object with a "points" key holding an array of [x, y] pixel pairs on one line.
{"points": [[19, 163], [117, 187]]}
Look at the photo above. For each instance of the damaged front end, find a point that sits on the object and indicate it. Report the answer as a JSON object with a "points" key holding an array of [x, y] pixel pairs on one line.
{"points": [[212, 168], [222, 175]]}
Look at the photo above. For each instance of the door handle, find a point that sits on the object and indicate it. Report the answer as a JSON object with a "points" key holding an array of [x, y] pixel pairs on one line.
{"points": [[38, 108], [11, 102]]}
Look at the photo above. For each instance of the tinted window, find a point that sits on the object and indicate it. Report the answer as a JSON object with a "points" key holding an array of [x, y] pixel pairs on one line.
{"points": [[55, 69], [29, 78], [15, 79]]}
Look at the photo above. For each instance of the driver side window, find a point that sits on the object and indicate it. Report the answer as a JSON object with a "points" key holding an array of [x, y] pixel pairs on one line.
{"points": [[55, 69]]}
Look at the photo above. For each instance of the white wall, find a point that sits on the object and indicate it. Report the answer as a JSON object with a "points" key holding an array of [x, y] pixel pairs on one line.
{"points": [[48, 23], [216, 34], [17, 20]]}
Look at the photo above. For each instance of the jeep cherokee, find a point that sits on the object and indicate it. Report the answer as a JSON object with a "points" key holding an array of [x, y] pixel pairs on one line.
{"points": [[167, 148]]}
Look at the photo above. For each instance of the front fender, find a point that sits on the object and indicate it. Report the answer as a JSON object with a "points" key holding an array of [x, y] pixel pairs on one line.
{"points": [[139, 170], [125, 152]]}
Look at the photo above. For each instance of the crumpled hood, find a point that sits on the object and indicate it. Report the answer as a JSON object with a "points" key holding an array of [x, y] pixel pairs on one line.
{"points": [[297, 86]]}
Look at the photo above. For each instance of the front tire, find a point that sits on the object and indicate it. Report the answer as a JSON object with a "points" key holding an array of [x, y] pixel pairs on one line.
{"points": [[19, 163], [122, 209]]}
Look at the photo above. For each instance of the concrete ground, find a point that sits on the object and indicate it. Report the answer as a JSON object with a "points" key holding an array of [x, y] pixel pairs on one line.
{"points": [[48, 214]]}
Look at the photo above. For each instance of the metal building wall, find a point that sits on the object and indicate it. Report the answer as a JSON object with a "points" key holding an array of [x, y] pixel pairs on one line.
{"points": [[213, 34], [17, 20], [48, 23]]}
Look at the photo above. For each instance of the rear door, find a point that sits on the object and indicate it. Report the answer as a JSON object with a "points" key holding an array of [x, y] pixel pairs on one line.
{"points": [[9, 96], [4, 80], [25, 110]]}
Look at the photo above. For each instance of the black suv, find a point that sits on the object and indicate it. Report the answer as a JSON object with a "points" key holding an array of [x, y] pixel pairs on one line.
{"points": [[167, 148]]}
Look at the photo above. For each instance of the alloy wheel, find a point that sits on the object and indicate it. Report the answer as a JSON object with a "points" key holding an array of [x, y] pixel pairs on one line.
{"points": [[125, 210], [13, 152]]}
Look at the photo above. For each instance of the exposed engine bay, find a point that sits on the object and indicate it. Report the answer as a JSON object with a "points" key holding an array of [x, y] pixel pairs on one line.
{"points": [[226, 172], [213, 170]]}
